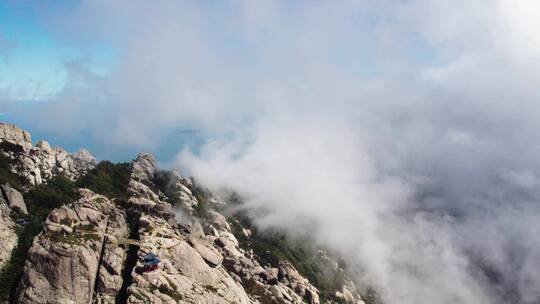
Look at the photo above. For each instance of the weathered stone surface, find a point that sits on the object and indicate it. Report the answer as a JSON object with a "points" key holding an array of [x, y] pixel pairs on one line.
{"points": [[14, 198], [270, 285], [110, 279], [184, 275], [44, 146], [18, 137], [139, 190], [8, 237], [143, 167], [83, 161], [207, 251], [189, 272], [63, 263], [179, 187]]}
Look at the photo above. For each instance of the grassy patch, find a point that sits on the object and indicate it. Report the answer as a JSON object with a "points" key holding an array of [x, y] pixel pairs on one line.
{"points": [[108, 179]]}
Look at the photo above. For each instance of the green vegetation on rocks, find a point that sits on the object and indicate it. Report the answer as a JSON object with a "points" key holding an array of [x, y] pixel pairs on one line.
{"points": [[273, 246], [6, 176], [42, 198], [203, 196], [108, 179]]}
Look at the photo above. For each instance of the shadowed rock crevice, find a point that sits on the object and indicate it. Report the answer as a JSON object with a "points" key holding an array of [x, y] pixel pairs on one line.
{"points": [[100, 261], [131, 260]]}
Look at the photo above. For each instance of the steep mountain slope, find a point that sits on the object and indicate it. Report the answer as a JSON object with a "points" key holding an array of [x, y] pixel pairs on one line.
{"points": [[78, 232]]}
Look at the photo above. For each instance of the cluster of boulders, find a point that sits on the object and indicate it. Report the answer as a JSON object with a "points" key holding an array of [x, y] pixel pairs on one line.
{"points": [[42, 161]]}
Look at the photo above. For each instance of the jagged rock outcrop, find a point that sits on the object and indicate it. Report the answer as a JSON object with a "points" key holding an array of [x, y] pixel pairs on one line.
{"points": [[8, 236], [13, 198], [179, 188], [203, 263], [64, 258], [42, 162], [268, 285], [15, 136], [143, 167], [191, 270]]}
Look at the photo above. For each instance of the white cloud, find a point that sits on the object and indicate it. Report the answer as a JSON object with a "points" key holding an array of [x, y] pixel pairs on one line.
{"points": [[421, 172]]}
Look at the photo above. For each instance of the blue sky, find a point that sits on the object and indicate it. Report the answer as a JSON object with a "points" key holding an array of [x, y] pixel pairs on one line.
{"points": [[33, 70], [32, 58], [227, 51]]}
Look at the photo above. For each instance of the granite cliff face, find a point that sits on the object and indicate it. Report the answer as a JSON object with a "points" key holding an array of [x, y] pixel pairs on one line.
{"points": [[89, 247]]}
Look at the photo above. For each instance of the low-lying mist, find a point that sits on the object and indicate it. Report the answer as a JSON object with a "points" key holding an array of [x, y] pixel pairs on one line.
{"points": [[401, 134]]}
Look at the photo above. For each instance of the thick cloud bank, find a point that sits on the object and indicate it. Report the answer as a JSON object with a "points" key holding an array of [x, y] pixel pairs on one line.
{"points": [[404, 134]]}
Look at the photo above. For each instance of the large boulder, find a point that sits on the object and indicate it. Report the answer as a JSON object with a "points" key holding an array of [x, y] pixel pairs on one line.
{"points": [[210, 254], [14, 198], [63, 261]]}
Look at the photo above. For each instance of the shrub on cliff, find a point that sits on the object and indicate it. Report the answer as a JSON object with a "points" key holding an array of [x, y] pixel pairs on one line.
{"points": [[108, 179]]}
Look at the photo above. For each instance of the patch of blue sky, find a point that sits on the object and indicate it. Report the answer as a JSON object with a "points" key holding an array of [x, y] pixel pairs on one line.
{"points": [[34, 66]]}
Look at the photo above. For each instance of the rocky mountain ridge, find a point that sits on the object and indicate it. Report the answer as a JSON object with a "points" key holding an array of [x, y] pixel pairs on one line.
{"points": [[97, 222]]}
